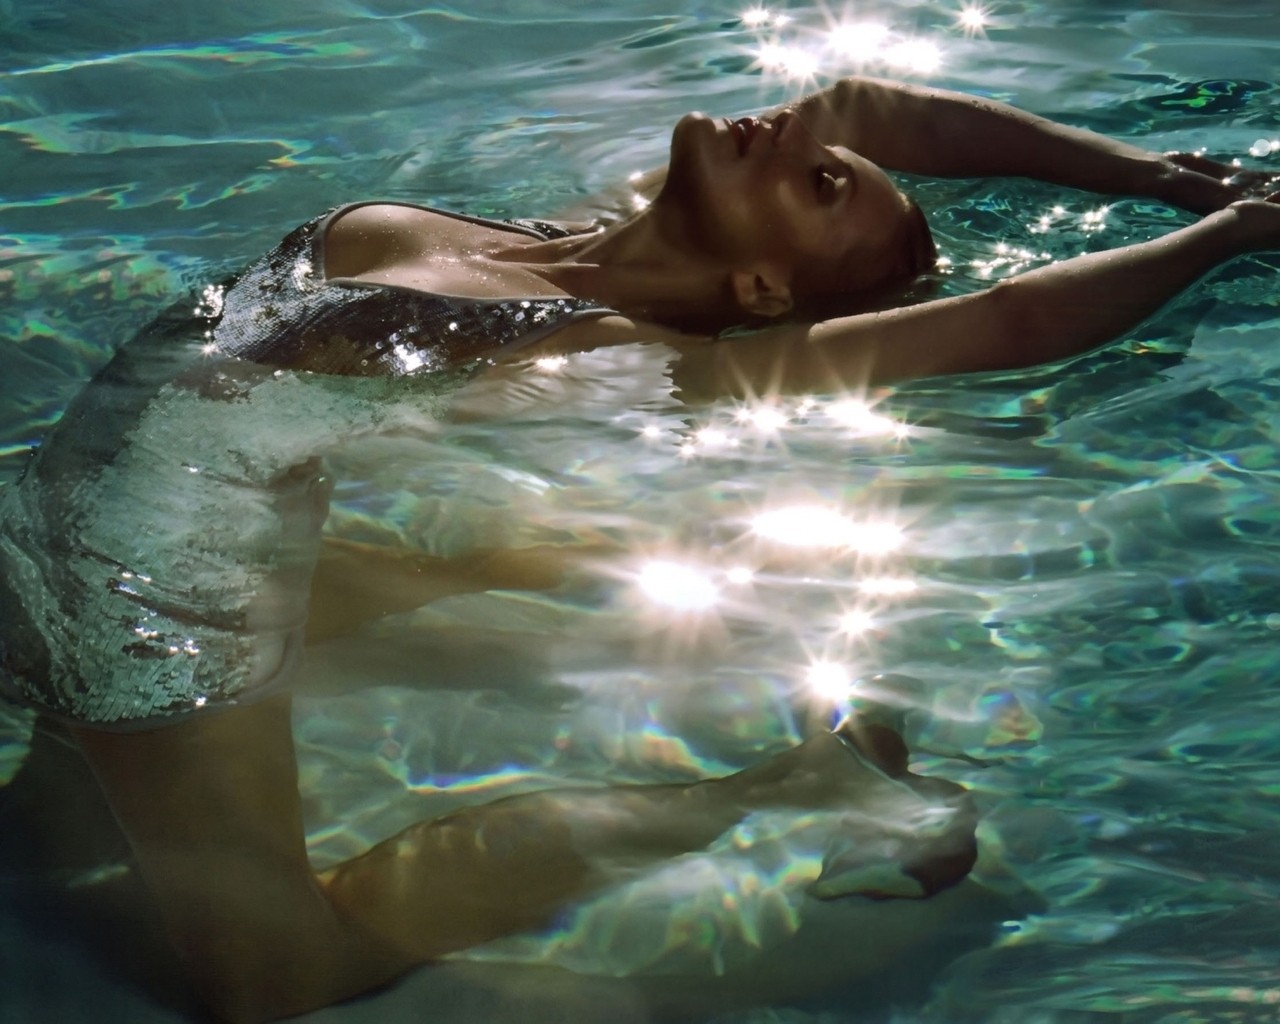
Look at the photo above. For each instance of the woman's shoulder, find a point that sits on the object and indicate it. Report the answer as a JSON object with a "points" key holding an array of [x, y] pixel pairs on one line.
{"points": [[392, 216]]}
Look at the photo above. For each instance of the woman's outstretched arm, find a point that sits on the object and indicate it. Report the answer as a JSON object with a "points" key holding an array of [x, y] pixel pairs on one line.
{"points": [[950, 134], [1041, 316]]}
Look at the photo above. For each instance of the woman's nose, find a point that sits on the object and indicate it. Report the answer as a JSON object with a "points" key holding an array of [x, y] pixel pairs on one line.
{"points": [[784, 125], [792, 135]]}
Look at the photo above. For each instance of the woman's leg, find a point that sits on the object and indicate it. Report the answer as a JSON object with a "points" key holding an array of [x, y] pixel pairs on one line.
{"points": [[354, 582], [212, 810]]}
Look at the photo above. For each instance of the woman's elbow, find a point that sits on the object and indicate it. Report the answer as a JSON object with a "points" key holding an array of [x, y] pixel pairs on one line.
{"points": [[1032, 325], [1013, 330], [995, 329]]}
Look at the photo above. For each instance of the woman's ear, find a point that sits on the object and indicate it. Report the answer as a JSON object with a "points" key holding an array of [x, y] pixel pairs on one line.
{"points": [[762, 291]]}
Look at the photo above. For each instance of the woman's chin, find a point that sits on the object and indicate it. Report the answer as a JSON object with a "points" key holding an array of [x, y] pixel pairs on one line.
{"points": [[692, 141], [688, 170]]}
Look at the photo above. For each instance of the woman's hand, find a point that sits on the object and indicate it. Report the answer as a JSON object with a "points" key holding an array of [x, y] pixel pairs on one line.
{"points": [[1257, 223], [1201, 184], [949, 134]]}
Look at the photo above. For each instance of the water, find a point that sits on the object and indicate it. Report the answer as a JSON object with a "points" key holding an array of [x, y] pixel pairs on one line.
{"points": [[1088, 582]]}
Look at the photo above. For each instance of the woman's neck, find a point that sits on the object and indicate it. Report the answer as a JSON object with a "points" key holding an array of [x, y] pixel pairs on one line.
{"points": [[636, 267]]}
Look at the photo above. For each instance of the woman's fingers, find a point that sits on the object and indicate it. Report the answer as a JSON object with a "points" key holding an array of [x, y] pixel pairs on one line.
{"points": [[1199, 163], [1254, 184], [1196, 183], [1258, 223], [1213, 183]]}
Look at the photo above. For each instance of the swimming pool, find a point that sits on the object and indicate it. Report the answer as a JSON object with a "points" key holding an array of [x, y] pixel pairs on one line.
{"points": [[1085, 584]]}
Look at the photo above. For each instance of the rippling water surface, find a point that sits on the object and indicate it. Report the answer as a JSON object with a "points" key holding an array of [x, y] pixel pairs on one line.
{"points": [[1073, 571]]}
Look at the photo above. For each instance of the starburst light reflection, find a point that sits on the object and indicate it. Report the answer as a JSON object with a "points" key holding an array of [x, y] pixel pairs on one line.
{"points": [[1095, 220], [888, 586], [791, 62], [768, 419], [829, 681], [859, 416], [920, 56], [1008, 260], [754, 17], [211, 300], [860, 41], [973, 18], [856, 622], [677, 586], [1047, 220], [714, 439], [816, 526], [551, 364]]}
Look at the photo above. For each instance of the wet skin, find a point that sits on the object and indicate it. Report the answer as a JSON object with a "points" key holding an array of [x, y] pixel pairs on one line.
{"points": [[768, 192]]}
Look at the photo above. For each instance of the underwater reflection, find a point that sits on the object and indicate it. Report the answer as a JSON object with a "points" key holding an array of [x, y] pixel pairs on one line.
{"points": [[679, 587], [818, 526]]}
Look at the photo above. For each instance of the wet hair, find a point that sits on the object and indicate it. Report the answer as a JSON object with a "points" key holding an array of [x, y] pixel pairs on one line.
{"points": [[921, 253]]}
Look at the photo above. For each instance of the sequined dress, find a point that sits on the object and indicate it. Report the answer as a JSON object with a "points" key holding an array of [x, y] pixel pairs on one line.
{"points": [[155, 557]]}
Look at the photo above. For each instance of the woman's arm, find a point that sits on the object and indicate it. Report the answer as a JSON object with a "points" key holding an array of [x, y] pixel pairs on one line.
{"points": [[1040, 316], [950, 134], [956, 135]]}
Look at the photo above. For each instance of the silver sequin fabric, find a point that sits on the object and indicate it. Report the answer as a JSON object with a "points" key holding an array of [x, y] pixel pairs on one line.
{"points": [[156, 555]]}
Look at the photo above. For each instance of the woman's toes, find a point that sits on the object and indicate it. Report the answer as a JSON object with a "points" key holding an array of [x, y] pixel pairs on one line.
{"points": [[877, 744], [947, 855], [911, 837]]}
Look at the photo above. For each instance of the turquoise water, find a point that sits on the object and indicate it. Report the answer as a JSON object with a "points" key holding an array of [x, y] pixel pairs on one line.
{"points": [[1085, 587]]}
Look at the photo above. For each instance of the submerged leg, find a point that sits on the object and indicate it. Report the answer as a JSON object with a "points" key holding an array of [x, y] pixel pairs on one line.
{"points": [[212, 810], [355, 582], [487, 871]]}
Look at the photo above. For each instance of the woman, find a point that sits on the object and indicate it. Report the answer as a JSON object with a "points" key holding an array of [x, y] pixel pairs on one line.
{"points": [[160, 558]]}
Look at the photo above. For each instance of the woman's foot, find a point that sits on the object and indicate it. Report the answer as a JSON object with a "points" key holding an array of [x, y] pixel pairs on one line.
{"points": [[905, 835], [936, 843]]}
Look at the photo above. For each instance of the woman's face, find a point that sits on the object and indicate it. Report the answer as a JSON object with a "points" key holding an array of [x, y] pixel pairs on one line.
{"points": [[755, 190]]}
